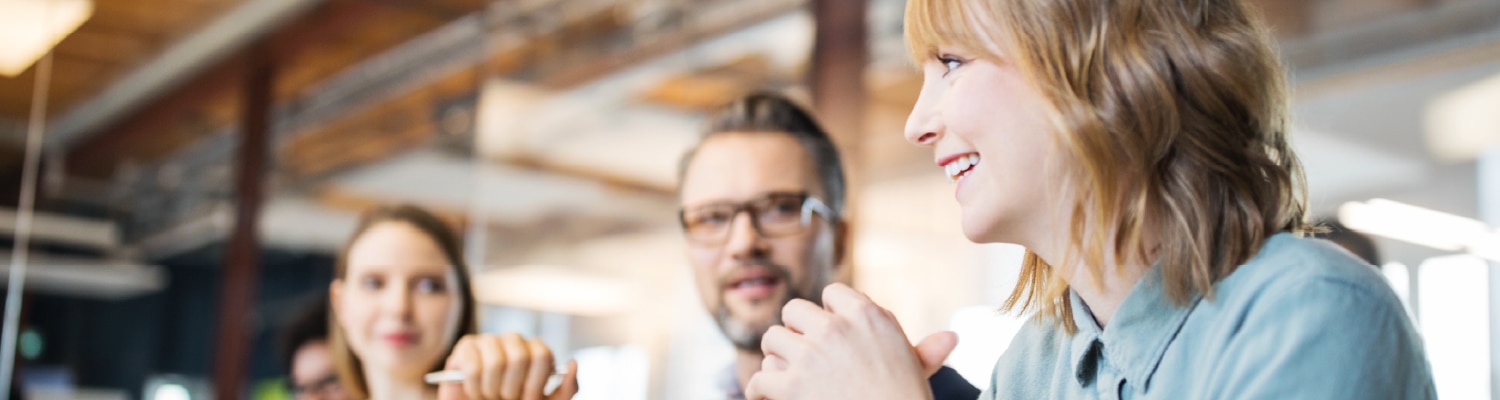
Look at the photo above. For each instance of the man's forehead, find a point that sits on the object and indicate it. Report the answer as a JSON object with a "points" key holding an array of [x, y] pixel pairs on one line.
{"points": [[738, 166]]}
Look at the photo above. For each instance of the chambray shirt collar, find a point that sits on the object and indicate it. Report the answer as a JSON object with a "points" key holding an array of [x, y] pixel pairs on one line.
{"points": [[1137, 337], [1085, 358]]}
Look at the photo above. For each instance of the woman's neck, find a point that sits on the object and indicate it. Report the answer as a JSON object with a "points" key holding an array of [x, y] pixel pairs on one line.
{"points": [[384, 385], [1104, 295], [1102, 292]]}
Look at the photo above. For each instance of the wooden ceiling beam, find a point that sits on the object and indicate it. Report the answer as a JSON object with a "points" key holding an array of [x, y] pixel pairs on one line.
{"points": [[195, 107], [574, 56], [577, 63], [141, 135]]}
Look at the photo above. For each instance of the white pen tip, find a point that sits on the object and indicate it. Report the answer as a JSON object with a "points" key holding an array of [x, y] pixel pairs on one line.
{"points": [[441, 377]]}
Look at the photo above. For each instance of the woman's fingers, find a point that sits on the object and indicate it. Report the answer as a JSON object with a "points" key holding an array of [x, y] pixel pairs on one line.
{"points": [[492, 369], [506, 367], [454, 362], [466, 358], [538, 372], [767, 385], [514, 366], [781, 343], [934, 349], [569, 385], [804, 317]]}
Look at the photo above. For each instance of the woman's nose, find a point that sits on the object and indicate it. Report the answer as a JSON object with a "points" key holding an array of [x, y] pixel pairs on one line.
{"points": [[396, 299], [923, 127]]}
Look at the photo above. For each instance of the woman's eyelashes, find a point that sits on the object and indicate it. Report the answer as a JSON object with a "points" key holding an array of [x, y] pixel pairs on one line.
{"points": [[371, 283], [420, 284], [949, 63], [430, 285]]}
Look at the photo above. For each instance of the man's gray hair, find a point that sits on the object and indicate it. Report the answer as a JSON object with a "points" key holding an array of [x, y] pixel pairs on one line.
{"points": [[765, 112]]}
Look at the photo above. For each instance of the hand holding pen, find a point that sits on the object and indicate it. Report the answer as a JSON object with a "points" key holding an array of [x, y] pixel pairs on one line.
{"points": [[504, 367]]}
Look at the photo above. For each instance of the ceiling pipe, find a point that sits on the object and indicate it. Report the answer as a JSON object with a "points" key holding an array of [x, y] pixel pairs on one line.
{"points": [[182, 60]]}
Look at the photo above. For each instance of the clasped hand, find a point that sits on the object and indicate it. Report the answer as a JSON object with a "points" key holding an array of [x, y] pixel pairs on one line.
{"points": [[850, 348]]}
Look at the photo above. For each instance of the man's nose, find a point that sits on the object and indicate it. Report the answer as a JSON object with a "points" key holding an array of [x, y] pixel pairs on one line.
{"points": [[745, 240]]}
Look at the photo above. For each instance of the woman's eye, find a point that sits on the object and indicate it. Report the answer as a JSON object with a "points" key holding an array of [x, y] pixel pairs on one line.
{"points": [[950, 63], [429, 285]]}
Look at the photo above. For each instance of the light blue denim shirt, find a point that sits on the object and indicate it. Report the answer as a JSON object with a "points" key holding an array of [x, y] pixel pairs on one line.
{"points": [[1301, 320]]}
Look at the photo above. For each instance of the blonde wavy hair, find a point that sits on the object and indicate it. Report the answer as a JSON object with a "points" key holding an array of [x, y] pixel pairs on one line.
{"points": [[1171, 119]]}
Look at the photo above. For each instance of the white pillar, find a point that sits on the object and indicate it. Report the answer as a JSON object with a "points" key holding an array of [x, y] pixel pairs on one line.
{"points": [[1489, 211]]}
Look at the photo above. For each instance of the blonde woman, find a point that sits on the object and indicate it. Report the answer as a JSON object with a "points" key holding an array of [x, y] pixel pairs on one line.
{"points": [[1138, 150], [403, 307]]}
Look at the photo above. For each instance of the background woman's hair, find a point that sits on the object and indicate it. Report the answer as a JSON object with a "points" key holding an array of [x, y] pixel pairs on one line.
{"points": [[351, 372], [1359, 244], [1170, 116], [310, 325]]}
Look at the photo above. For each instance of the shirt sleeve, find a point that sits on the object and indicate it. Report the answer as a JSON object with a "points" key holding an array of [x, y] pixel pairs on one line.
{"points": [[947, 384], [1323, 338]]}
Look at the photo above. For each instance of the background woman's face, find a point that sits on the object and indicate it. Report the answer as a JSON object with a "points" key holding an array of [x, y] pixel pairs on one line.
{"points": [[988, 130], [398, 302]]}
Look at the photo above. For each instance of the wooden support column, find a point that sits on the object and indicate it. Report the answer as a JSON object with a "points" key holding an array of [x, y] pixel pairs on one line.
{"points": [[242, 260], [840, 54], [1289, 19]]}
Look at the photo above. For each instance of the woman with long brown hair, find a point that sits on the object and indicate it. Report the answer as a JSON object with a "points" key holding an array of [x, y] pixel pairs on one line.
{"points": [[403, 307], [1139, 150]]}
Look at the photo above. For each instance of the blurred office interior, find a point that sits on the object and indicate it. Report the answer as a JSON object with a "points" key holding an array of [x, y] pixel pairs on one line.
{"points": [[163, 259]]}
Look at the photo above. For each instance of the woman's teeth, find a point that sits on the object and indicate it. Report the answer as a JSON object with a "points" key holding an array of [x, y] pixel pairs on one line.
{"points": [[961, 166]]}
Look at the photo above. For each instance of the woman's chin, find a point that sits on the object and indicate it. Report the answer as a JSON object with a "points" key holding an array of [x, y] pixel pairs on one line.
{"points": [[403, 360], [980, 232]]}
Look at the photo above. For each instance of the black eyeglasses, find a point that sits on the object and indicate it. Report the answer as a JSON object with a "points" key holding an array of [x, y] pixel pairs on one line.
{"points": [[772, 215]]}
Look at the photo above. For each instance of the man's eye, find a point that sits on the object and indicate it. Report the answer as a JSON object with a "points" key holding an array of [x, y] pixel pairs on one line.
{"points": [[787, 208], [714, 217]]}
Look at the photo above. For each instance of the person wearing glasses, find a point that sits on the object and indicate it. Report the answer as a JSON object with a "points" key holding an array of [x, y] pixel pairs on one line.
{"points": [[308, 361], [403, 307], [762, 196]]}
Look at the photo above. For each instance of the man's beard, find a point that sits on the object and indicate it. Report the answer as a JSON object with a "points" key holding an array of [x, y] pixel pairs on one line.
{"points": [[746, 336]]}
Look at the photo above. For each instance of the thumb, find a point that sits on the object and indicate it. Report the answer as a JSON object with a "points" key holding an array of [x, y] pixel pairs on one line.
{"points": [[933, 349], [451, 391], [569, 386]]}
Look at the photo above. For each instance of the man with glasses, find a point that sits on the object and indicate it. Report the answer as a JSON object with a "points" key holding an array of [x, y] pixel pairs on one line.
{"points": [[762, 197], [309, 362]]}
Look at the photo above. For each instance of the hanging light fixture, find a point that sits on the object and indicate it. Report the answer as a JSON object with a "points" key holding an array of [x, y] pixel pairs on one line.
{"points": [[30, 28], [1422, 226]]}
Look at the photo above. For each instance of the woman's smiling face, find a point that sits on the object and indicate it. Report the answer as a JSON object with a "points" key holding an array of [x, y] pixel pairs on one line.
{"points": [[989, 131]]}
